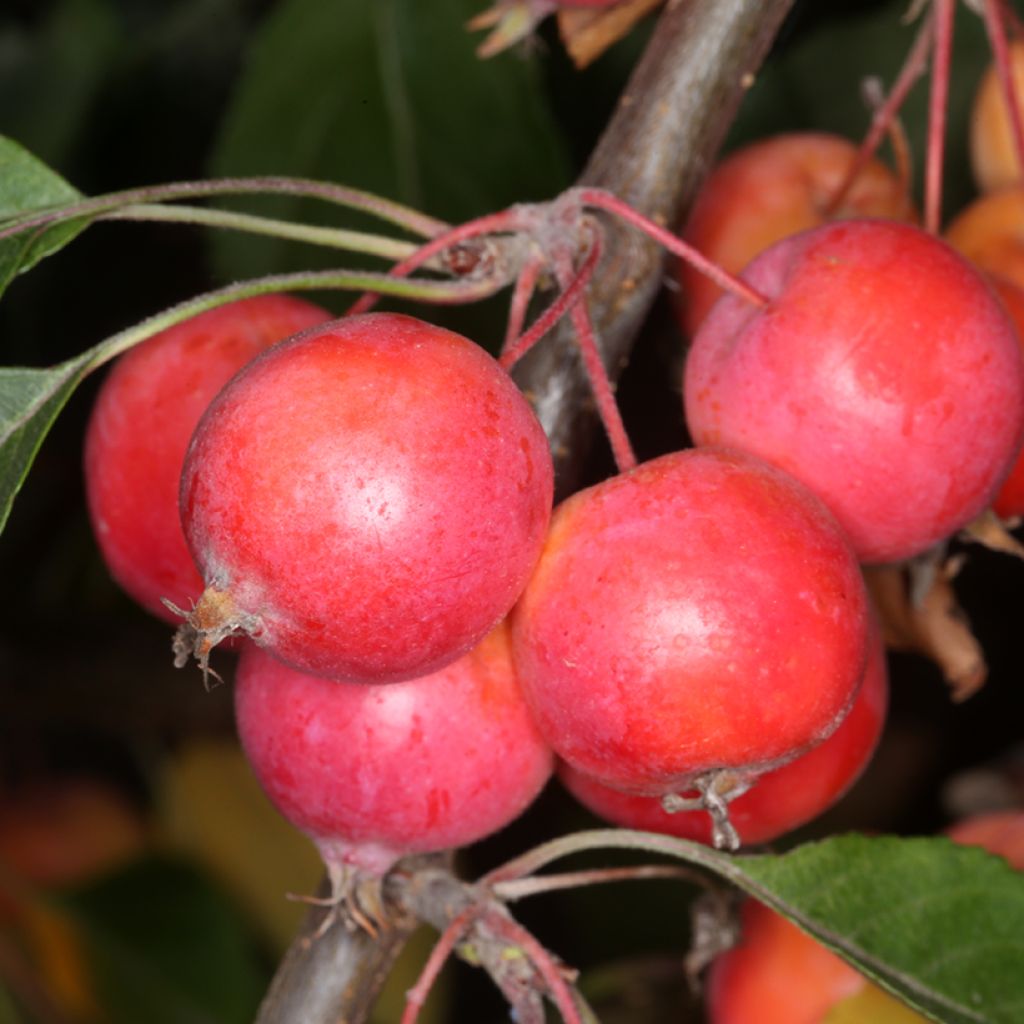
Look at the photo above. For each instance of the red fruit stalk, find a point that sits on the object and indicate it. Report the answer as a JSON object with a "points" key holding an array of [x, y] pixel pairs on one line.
{"points": [[367, 500]]}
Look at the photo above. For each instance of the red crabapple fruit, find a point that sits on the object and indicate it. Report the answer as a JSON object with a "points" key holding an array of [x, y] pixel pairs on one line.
{"points": [[994, 159], [990, 233], [692, 623], [778, 801], [883, 373], [371, 773], [771, 189], [366, 500], [138, 433]]}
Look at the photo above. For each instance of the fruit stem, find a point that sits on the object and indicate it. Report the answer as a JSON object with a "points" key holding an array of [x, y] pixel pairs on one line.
{"points": [[518, 348], [443, 948], [402, 216], [994, 13], [525, 285], [600, 383], [504, 221], [913, 68], [520, 888], [938, 102], [352, 241], [603, 200]]}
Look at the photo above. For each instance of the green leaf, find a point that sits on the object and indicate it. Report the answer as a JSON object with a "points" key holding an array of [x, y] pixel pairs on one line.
{"points": [[27, 184], [940, 926], [165, 946], [29, 403], [386, 96], [937, 924]]}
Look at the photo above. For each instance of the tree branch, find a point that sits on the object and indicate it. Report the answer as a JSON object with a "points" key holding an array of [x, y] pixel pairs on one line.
{"points": [[670, 122], [654, 153]]}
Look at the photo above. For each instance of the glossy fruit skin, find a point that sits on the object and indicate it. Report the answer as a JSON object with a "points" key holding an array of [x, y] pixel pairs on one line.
{"points": [[883, 373], [371, 773], [702, 611], [375, 493], [779, 801], [768, 190], [992, 149], [140, 427]]}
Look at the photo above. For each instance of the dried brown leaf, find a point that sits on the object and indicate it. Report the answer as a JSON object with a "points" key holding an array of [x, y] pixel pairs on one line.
{"points": [[587, 32], [936, 626], [988, 529]]}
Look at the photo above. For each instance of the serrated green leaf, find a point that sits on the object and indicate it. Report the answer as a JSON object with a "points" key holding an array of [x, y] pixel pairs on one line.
{"points": [[939, 925], [386, 96], [29, 403], [27, 184]]}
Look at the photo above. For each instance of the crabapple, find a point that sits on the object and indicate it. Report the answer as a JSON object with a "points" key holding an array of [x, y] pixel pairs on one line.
{"points": [[990, 233], [371, 773], [771, 189], [999, 832], [692, 623], [882, 372], [780, 800], [366, 500], [993, 151], [139, 429]]}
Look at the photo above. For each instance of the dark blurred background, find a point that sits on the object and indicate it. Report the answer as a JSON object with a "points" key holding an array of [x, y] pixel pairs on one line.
{"points": [[103, 744]]}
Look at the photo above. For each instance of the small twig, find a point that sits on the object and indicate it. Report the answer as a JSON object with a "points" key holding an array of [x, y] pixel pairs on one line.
{"points": [[913, 68], [602, 200], [539, 885], [443, 948]]}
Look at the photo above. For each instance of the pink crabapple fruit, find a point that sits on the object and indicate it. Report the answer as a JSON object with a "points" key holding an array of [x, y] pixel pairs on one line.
{"points": [[140, 427], [366, 500], [371, 773], [883, 373], [768, 190], [693, 622], [778, 801]]}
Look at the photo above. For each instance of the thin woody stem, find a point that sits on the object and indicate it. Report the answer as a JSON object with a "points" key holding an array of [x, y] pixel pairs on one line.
{"points": [[569, 296], [504, 221], [526, 284], [603, 200], [520, 888], [913, 68], [443, 948]]}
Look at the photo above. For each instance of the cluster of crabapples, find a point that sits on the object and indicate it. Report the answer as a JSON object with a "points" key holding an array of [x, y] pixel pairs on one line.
{"points": [[363, 508]]}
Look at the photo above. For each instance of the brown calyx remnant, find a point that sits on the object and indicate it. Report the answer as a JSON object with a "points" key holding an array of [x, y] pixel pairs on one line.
{"points": [[213, 618]]}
